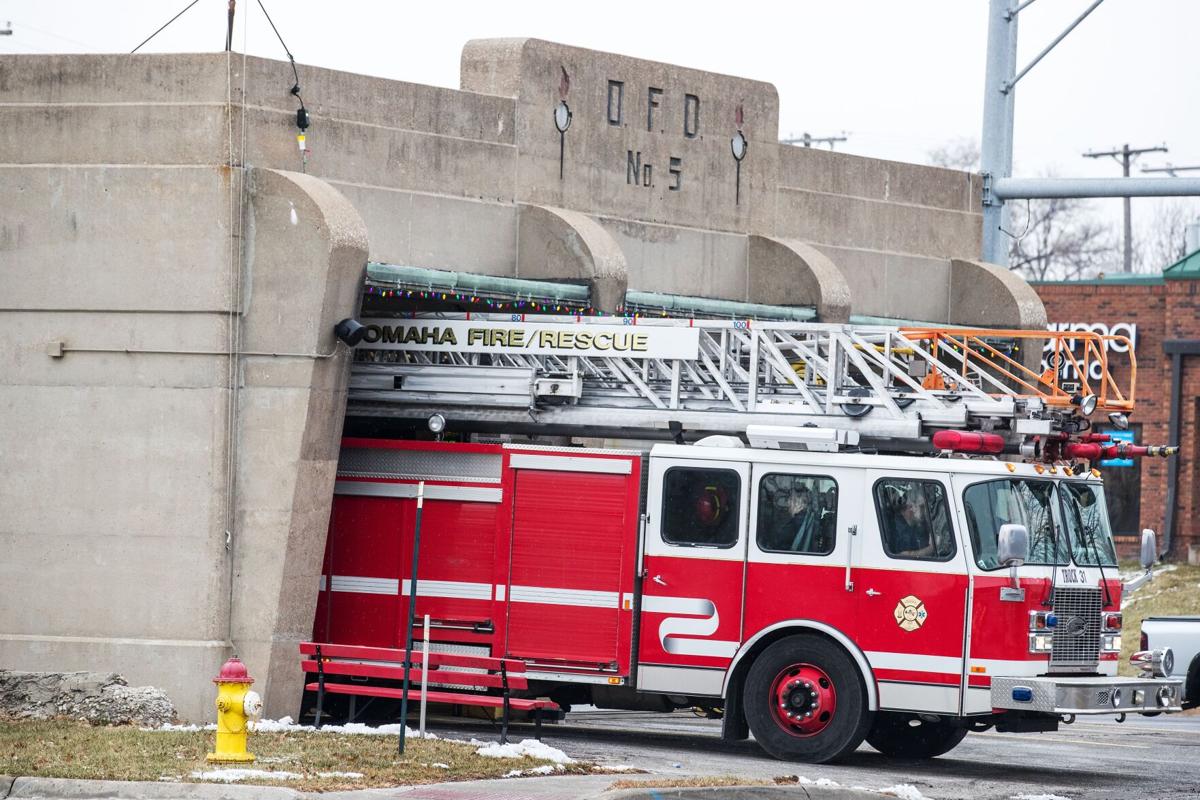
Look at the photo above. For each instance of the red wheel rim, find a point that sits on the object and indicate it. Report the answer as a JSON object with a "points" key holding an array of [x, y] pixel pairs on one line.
{"points": [[803, 700]]}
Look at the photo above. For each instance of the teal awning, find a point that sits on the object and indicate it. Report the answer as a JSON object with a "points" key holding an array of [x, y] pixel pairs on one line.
{"points": [[421, 279]]}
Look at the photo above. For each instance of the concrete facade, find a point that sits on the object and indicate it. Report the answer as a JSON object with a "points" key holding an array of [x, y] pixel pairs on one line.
{"points": [[171, 396]]}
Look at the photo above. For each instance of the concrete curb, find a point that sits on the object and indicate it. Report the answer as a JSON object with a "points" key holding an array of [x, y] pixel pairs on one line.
{"points": [[6, 782], [68, 789], [784, 792]]}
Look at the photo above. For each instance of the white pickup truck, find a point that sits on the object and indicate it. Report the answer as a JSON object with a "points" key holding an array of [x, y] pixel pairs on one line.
{"points": [[1182, 636]]}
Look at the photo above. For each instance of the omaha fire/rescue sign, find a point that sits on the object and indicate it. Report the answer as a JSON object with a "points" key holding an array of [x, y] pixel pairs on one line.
{"points": [[532, 338]]}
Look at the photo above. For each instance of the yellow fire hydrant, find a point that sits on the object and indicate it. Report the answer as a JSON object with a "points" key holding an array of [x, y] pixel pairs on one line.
{"points": [[236, 705]]}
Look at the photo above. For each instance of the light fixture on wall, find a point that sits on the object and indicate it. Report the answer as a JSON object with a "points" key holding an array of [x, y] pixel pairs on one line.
{"points": [[350, 331]]}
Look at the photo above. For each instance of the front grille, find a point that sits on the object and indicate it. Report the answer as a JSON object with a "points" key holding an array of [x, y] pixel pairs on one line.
{"points": [[1076, 641]]}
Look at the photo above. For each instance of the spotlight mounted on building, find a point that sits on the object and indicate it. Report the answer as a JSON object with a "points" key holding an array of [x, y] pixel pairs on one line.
{"points": [[350, 331]]}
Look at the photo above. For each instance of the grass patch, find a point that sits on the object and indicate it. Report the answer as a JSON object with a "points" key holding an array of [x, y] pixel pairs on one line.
{"points": [[69, 749], [1172, 593]]}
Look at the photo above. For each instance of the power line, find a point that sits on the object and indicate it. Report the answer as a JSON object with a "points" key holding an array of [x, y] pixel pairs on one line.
{"points": [[160, 30], [1125, 157], [23, 26]]}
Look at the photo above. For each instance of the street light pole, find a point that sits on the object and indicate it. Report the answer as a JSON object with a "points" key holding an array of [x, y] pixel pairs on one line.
{"points": [[995, 152]]}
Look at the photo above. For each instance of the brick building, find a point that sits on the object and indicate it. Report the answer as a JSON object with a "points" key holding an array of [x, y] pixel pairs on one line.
{"points": [[1160, 314]]}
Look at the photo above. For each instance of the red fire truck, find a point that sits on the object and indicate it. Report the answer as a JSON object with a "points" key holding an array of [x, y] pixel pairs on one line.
{"points": [[849, 533]]}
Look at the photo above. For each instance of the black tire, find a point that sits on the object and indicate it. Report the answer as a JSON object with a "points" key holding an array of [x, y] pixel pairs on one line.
{"points": [[909, 736], [805, 700]]}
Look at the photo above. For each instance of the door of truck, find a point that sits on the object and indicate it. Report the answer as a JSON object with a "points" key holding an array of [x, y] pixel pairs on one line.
{"points": [[693, 567], [803, 521], [572, 558], [910, 589]]}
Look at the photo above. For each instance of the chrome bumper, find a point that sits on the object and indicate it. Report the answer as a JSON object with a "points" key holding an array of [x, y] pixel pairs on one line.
{"points": [[1102, 695]]}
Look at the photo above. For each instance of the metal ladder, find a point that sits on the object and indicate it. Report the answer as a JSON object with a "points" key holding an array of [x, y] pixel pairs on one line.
{"points": [[889, 384]]}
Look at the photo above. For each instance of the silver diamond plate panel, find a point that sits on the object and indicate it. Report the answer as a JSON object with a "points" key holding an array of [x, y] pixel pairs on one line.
{"points": [[370, 462], [1091, 695], [1076, 641]]}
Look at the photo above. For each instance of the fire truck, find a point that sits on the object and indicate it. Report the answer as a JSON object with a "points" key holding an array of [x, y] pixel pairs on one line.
{"points": [[818, 533]]}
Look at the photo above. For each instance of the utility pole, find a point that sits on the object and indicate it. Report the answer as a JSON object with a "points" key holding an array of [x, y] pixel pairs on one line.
{"points": [[6, 30], [807, 140], [1125, 156]]}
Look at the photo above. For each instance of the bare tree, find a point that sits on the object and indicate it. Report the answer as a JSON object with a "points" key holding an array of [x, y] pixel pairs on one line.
{"points": [[1059, 239], [961, 153], [1160, 239], [1051, 239]]}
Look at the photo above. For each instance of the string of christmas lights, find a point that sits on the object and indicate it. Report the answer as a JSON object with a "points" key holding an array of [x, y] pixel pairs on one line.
{"points": [[558, 307]]}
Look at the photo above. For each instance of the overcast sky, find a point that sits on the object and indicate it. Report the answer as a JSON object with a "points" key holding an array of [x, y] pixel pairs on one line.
{"points": [[898, 77]]}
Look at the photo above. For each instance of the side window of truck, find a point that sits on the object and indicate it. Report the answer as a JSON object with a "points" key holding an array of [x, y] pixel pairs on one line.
{"points": [[700, 507], [797, 514], [914, 519]]}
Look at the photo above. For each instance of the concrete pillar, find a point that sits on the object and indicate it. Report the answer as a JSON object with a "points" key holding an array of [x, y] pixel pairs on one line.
{"points": [[306, 250], [786, 272], [557, 244]]}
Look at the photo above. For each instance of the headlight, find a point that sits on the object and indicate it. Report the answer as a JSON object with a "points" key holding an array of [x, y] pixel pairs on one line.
{"points": [[1040, 642], [1111, 643]]}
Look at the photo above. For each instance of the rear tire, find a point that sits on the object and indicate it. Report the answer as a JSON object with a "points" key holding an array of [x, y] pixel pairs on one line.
{"points": [[909, 736], [805, 700]]}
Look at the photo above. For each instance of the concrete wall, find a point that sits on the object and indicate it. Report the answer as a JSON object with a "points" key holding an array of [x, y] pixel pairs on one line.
{"points": [[153, 219], [123, 245]]}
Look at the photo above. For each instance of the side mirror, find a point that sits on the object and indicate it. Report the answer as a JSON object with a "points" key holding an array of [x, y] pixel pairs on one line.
{"points": [[1149, 548], [1012, 545]]}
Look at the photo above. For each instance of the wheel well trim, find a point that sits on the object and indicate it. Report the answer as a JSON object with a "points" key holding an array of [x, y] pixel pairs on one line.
{"points": [[860, 658], [1191, 680]]}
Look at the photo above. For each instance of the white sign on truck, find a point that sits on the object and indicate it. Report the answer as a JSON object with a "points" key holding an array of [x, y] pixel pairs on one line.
{"points": [[531, 338]]}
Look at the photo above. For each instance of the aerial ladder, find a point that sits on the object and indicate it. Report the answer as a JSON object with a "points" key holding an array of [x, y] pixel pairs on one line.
{"points": [[891, 388]]}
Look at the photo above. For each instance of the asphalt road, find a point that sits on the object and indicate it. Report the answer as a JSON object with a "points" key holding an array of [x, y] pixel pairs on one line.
{"points": [[1143, 758]]}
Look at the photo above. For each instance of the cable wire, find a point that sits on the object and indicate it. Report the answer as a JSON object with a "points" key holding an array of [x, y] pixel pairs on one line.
{"points": [[160, 30], [296, 75]]}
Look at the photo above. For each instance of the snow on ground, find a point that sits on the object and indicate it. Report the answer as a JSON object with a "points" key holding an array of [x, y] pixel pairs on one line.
{"points": [[182, 728], [287, 725], [339, 774], [526, 747], [233, 775], [904, 791], [545, 769]]}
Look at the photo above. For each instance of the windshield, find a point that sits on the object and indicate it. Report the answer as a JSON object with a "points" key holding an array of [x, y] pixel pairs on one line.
{"points": [[1087, 521], [1018, 502]]}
